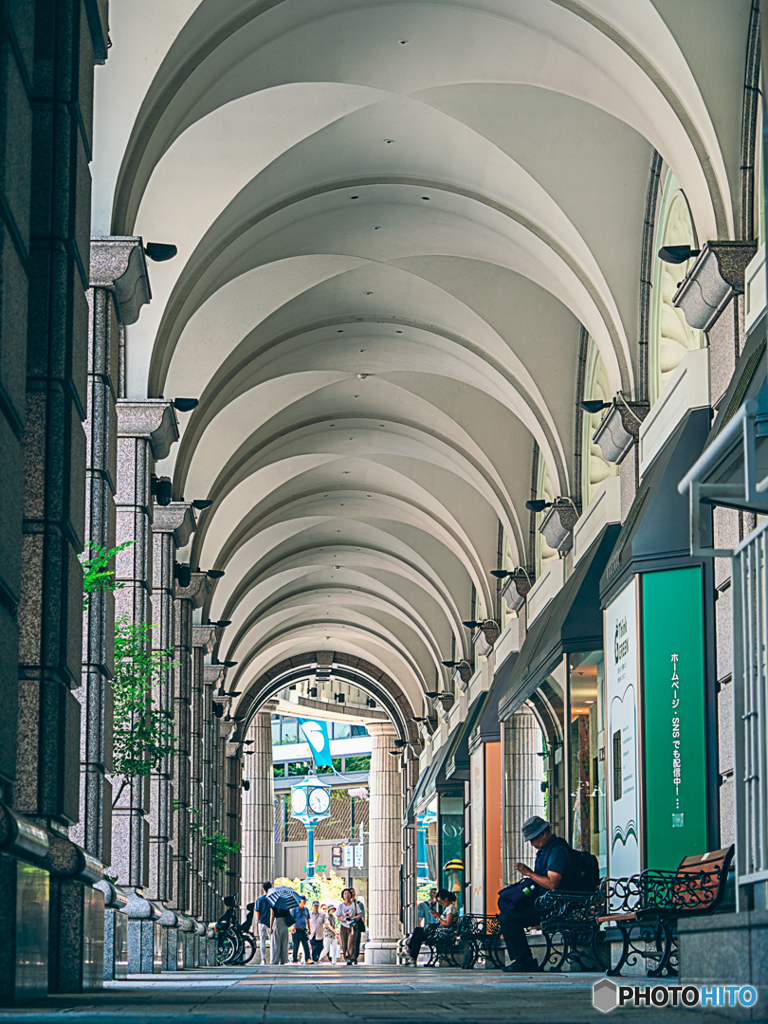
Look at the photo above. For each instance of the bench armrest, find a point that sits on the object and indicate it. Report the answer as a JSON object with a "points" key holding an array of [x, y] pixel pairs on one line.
{"points": [[689, 892], [556, 904]]}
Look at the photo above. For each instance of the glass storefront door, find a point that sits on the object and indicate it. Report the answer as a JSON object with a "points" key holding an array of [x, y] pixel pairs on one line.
{"points": [[548, 703]]}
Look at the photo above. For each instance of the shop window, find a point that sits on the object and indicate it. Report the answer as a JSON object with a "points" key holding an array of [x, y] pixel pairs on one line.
{"points": [[617, 781], [548, 703], [360, 763], [289, 732], [585, 694]]}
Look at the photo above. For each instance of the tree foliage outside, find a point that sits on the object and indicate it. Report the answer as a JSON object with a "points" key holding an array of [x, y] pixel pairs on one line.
{"points": [[96, 574], [323, 887], [143, 734], [221, 846]]}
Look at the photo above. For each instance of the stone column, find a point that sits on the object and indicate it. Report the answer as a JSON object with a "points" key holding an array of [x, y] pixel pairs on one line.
{"points": [[172, 527], [258, 856], [185, 600], [384, 847], [145, 432], [523, 775], [410, 777], [202, 793]]}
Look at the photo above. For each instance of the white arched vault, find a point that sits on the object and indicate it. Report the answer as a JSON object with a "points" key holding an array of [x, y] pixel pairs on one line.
{"points": [[394, 222]]}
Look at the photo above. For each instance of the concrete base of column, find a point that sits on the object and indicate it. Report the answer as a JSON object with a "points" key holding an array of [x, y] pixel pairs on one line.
{"points": [[212, 950], [115, 945], [144, 947], [189, 950], [170, 949], [381, 951]]}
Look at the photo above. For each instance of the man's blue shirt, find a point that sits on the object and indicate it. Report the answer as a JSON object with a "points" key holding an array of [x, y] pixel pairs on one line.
{"points": [[301, 917], [263, 909]]}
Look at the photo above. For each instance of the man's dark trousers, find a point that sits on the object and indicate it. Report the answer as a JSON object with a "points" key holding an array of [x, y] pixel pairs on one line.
{"points": [[300, 936], [513, 925], [317, 948]]}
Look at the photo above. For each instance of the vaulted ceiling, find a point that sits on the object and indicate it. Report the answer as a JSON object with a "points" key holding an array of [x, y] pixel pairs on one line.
{"points": [[393, 220]]}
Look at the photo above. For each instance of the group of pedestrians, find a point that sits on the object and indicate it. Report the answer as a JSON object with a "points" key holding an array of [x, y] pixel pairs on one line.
{"points": [[324, 933]]}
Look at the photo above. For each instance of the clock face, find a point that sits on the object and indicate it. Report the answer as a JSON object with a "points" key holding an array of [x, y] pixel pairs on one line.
{"points": [[298, 801], [319, 800]]}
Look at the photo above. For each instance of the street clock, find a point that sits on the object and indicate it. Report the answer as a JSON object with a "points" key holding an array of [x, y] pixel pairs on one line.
{"points": [[311, 800]]}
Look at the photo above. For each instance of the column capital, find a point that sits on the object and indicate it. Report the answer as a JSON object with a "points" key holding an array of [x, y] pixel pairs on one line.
{"points": [[177, 518], [152, 419], [196, 592], [206, 636], [214, 674], [118, 265], [381, 729]]}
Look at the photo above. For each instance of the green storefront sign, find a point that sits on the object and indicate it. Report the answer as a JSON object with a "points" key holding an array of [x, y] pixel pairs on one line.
{"points": [[674, 725]]}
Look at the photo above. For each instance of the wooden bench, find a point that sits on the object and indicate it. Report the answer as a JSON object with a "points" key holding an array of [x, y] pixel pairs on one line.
{"points": [[645, 908]]}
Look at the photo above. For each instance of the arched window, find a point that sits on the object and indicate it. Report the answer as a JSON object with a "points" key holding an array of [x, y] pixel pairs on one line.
{"points": [[594, 467], [671, 337], [544, 553]]}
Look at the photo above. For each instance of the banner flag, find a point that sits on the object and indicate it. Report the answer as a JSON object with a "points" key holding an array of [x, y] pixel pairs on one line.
{"points": [[316, 734]]}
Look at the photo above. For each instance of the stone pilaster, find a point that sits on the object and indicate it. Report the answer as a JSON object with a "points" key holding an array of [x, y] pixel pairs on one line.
{"points": [[171, 528], [202, 791], [145, 432], [410, 777], [523, 775], [185, 600], [385, 847], [258, 856], [45, 148]]}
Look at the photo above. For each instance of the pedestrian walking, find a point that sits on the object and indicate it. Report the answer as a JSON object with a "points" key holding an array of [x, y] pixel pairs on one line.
{"points": [[350, 914], [263, 913], [331, 935], [278, 929], [299, 930], [316, 930]]}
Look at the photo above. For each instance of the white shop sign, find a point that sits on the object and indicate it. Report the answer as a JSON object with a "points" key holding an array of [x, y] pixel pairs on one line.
{"points": [[622, 738]]}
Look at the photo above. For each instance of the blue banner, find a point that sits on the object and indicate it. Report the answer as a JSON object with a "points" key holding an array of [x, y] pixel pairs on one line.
{"points": [[316, 734]]}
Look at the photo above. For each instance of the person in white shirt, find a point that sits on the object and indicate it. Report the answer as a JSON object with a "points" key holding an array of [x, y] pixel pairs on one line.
{"points": [[330, 936], [350, 914]]}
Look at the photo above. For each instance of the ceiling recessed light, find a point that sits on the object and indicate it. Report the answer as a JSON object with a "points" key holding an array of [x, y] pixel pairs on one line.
{"points": [[340, 332], [398, 332], [425, 197], [354, 197], [389, 141], [377, 227], [362, 350]]}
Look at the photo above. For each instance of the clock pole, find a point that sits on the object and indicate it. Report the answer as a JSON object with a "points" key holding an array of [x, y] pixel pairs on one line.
{"points": [[310, 850]]}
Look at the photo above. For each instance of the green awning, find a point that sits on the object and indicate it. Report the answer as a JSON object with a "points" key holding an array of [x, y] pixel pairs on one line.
{"points": [[426, 786]]}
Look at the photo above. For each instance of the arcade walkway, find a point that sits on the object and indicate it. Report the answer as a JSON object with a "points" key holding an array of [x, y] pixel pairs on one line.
{"points": [[341, 995]]}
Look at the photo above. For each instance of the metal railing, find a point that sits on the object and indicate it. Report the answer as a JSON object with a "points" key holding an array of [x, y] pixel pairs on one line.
{"points": [[750, 696]]}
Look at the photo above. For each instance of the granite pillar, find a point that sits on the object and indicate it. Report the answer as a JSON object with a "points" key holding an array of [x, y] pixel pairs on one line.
{"points": [[385, 847], [185, 601], [202, 769], [410, 777], [523, 775], [258, 828], [145, 432], [46, 102]]}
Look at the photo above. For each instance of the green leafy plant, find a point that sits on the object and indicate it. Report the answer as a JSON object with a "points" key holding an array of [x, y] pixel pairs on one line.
{"points": [[96, 575], [143, 733], [221, 847]]}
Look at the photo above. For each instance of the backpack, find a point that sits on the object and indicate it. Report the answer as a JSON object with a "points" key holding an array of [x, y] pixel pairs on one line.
{"points": [[585, 871]]}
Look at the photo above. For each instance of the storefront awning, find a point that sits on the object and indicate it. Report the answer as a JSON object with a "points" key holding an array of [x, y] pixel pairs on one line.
{"points": [[426, 786], [488, 729], [456, 766], [656, 533], [573, 621]]}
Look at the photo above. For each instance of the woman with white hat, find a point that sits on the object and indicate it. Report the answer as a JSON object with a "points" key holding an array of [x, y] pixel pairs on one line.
{"points": [[330, 935]]}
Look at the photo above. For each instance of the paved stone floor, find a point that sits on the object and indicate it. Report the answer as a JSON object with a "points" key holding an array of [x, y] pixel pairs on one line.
{"points": [[343, 995]]}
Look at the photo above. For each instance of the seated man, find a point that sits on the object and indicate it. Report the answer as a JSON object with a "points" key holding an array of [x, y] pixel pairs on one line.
{"points": [[446, 918], [552, 870]]}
